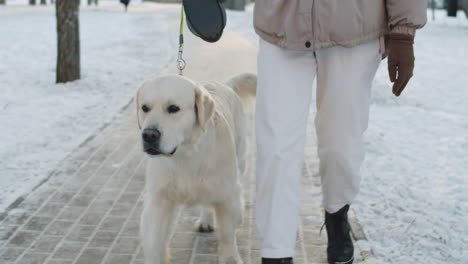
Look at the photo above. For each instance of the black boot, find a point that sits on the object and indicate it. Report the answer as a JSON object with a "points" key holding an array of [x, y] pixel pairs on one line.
{"points": [[340, 248], [277, 261]]}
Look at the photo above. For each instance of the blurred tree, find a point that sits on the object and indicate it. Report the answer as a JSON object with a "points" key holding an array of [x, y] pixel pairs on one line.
{"points": [[465, 7], [43, 2], [2, 2], [452, 8], [90, 2], [32, 2], [235, 4], [125, 3], [68, 40]]}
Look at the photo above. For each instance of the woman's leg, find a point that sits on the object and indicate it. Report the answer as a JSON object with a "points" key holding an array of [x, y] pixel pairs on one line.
{"points": [[344, 80], [284, 90]]}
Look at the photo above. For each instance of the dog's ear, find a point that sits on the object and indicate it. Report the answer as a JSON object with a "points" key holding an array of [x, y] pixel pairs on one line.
{"points": [[204, 106], [137, 95]]}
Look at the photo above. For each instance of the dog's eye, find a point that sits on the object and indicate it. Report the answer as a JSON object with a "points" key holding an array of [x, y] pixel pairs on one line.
{"points": [[173, 109], [145, 108]]}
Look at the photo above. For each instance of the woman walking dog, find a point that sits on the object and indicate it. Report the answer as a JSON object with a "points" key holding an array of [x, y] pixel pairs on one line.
{"points": [[341, 43]]}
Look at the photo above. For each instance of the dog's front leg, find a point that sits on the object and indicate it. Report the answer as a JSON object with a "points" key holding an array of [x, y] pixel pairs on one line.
{"points": [[205, 223], [228, 215], [155, 226]]}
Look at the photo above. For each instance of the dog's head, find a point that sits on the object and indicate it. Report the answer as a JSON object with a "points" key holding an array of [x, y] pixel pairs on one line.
{"points": [[172, 111]]}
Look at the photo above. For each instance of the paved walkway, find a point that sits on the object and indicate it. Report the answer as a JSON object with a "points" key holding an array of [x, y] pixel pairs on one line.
{"points": [[88, 210]]}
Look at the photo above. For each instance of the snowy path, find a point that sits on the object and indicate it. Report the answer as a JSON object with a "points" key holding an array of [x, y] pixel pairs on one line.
{"points": [[41, 122]]}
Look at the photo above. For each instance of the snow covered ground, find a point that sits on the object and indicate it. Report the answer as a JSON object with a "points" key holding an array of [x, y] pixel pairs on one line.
{"points": [[414, 197], [40, 121]]}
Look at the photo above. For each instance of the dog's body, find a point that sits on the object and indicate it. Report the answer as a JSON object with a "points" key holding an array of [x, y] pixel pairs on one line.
{"points": [[198, 155]]}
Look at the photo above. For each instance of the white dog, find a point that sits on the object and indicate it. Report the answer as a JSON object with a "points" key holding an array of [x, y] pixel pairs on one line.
{"points": [[195, 136]]}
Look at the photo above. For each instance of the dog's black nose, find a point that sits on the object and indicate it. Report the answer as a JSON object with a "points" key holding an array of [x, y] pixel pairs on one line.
{"points": [[151, 135]]}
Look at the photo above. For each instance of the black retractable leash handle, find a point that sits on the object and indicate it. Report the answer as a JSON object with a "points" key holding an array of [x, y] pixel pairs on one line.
{"points": [[206, 19]]}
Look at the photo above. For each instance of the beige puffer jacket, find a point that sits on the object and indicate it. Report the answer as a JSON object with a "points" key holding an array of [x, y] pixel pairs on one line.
{"points": [[317, 24]]}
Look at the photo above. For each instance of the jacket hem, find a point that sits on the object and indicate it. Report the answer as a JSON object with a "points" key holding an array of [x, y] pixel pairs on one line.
{"points": [[317, 45]]}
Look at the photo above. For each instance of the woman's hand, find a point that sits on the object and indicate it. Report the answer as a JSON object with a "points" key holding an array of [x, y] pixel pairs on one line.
{"points": [[400, 61]]}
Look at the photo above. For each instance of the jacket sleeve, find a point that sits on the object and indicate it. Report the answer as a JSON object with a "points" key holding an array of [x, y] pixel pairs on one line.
{"points": [[405, 16]]}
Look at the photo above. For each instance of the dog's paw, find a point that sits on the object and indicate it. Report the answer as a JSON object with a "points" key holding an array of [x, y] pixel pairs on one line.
{"points": [[205, 227], [205, 223]]}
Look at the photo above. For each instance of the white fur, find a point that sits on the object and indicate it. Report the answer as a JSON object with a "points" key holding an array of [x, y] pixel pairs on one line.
{"points": [[209, 134]]}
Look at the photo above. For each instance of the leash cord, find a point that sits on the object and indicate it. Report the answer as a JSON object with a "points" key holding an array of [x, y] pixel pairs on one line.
{"points": [[180, 61]]}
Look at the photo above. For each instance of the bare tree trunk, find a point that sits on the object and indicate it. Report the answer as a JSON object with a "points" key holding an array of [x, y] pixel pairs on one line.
{"points": [[452, 8], [68, 37], [32, 2], [96, 2], [2, 2], [43, 2], [90, 2], [52, 1]]}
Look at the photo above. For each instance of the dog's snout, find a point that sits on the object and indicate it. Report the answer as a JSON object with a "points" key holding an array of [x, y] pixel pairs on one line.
{"points": [[151, 135]]}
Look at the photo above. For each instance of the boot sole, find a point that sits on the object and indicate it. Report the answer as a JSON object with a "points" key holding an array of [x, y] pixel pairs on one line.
{"points": [[342, 262]]}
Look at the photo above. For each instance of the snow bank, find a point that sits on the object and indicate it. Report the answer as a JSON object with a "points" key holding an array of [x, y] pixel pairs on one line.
{"points": [[41, 122], [414, 199]]}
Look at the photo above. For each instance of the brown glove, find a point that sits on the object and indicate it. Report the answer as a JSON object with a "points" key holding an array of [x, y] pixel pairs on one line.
{"points": [[400, 61]]}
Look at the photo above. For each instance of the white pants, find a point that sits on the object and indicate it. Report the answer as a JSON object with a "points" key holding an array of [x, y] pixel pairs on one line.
{"points": [[285, 80]]}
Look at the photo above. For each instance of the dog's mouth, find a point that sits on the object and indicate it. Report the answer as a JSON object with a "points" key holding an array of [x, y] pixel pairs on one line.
{"points": [[155, 152]]}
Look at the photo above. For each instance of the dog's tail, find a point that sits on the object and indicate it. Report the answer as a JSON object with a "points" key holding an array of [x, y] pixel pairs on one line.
{"points": [[245, 84]]}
